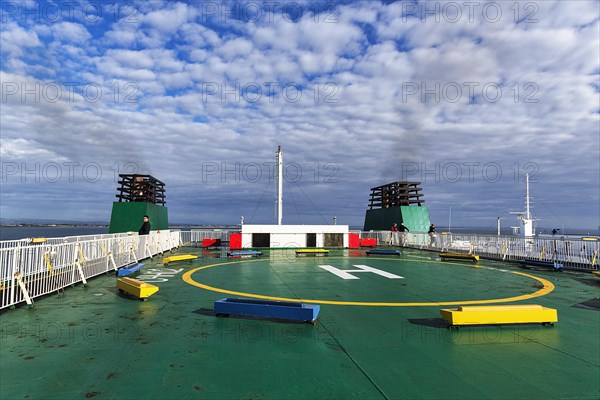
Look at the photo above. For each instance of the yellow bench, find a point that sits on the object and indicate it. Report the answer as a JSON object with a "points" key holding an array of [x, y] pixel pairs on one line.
{"points": [[135, 288], [504, 314], [183, 257], [312, 252]]}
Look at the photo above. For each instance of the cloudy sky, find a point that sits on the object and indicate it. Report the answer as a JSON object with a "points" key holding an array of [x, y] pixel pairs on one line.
{"points": [[466, 97]]}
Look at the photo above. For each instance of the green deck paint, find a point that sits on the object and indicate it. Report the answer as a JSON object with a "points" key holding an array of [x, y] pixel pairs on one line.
{"points": [[94, 343]]}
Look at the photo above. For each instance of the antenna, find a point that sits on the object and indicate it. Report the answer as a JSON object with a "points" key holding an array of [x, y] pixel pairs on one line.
{"points": [[279, 159], [527, 211], [526, 220]]}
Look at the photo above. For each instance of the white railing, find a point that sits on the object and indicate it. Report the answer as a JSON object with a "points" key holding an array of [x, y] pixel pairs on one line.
{"points": [[574, 253], [7, 244], [223, 234], [29, 270]]}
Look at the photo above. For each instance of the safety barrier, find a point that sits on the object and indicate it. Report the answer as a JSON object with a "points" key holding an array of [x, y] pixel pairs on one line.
{"points": [[196, 235], [572, 252], [32, 268], [29, 270]]}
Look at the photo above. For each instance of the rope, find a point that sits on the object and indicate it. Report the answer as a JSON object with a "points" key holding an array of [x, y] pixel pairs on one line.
{"points": [[259, 201], [311, 203], [295, 206]]}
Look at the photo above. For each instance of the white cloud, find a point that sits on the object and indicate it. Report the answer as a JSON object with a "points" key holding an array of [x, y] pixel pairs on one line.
{"points": [[369, 130], [27, 149], [14, 39], [168, 21], [131, 59], [238, 47], [71, 32]]}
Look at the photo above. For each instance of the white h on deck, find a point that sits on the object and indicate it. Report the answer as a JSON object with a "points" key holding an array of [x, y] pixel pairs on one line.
{"points": [[346, 274]]}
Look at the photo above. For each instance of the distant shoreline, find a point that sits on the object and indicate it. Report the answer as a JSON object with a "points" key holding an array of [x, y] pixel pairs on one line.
{"points": [[53, 226]]}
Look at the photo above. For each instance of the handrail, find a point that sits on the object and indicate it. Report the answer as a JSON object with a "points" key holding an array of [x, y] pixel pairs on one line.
{"points": [[52, 265], [572, 252]]}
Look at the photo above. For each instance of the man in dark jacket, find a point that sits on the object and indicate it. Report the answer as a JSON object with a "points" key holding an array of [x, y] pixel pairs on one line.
{"points": [[432, 235], [145, 229], [403, 233]]}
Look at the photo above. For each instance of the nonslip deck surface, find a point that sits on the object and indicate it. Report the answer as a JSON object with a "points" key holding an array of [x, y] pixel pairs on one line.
{"points": [[379, 333]]}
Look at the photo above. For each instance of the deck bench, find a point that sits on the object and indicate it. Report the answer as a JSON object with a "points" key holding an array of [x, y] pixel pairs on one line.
{"points": [[459, 256], [312, 252], [136, 288], [267, 309], [183, 257], [381, 252], [129, 269], [240, 253], [500, 314]]}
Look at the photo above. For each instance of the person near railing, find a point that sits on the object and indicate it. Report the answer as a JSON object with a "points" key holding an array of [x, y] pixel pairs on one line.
{"points": [[403, 233], [145, 228], [393, 233], [432, 236]]}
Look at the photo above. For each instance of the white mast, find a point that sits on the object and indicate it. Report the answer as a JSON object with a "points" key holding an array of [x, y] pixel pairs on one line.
{"points": [[526, 220], [279, 159], [525, 217], [528, 214]]}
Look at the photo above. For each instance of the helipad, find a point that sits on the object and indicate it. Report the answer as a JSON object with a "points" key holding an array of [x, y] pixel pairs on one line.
{"points": [[387, 282]]}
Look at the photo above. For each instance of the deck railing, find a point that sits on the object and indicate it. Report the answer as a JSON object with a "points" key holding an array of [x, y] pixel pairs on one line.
{"points": [[572, 252], [29, 269], [32, 269]]}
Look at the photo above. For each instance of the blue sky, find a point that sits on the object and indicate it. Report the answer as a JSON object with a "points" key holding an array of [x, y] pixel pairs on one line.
{"points": [[464, 97]]}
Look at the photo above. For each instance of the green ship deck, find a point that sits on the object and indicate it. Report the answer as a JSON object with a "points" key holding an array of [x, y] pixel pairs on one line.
{"points": [[375, 337]]}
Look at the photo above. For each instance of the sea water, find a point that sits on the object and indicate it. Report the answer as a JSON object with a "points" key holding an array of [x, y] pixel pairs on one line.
{"points": [[21, 232]]}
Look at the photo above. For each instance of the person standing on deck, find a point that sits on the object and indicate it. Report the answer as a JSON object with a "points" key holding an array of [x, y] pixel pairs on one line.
{"points": [[432, 235], [145, 229], [403, 229], [393, 233]]}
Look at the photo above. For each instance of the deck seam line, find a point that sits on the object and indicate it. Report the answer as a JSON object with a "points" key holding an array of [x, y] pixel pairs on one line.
{"points": [[380, 390], [552, 348], [338, 343]]}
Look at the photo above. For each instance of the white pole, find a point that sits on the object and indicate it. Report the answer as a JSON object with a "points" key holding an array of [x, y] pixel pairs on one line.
{"points": [[528, 216], [279, 159], [498, 226]]}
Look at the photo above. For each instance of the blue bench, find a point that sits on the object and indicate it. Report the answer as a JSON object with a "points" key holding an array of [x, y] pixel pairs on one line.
{"points": [[383, 252], [546, 264], [129, 269], [267, 309], [244, 253]]}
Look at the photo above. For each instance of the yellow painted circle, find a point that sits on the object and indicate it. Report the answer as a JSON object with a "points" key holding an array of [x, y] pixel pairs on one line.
{"points": [[548, 287]]}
